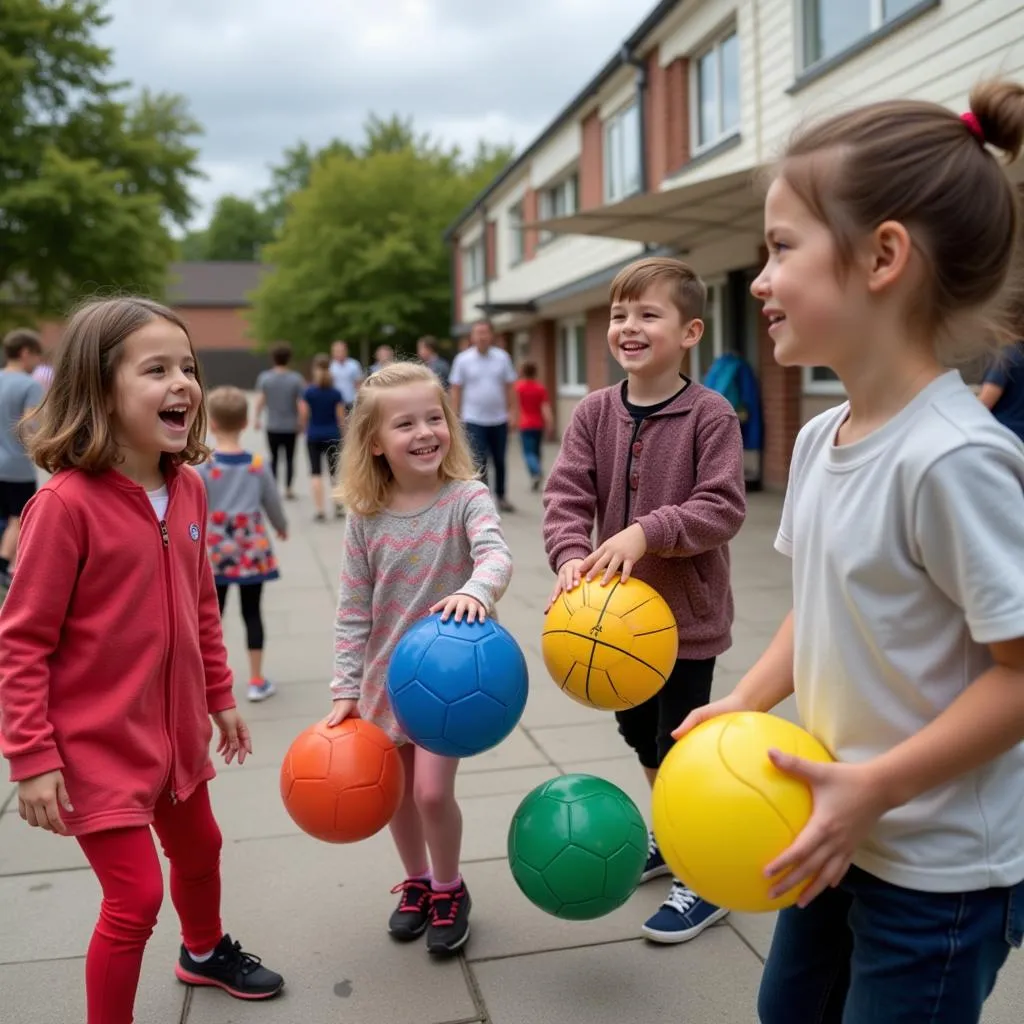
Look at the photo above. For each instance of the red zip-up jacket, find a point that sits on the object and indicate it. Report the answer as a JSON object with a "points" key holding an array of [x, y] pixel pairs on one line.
{"points": [[679, 475], [111, 653]]}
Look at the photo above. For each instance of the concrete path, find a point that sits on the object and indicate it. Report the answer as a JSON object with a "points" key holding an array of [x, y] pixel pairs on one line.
{"points": [[318, 913]]}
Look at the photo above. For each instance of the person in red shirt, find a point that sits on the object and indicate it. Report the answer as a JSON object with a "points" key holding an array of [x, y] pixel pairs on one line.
{"points": [[112, 660], [535, 419]]}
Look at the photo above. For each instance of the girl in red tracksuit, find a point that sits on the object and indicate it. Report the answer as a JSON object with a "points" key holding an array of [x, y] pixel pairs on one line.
{"points": [[111, 655]]}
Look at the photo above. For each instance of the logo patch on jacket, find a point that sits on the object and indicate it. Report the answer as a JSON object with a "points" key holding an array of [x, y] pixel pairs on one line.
{"points": [[193, 531]]}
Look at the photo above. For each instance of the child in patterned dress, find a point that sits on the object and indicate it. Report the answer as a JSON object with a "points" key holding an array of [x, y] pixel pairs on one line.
{"points": [[422, 536], [241, 489]]}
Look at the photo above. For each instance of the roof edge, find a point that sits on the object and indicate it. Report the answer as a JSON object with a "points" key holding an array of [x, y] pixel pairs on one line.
{"points": [[625, 50]]}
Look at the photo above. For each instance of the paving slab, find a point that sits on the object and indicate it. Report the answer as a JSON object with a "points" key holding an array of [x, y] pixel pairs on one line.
{"points": [[568, 744], [25, 850], [319, 915], [711, 981]]}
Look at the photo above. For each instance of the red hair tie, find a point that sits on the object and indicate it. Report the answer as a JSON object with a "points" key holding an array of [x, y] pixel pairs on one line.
{"points": [[971, 120]]}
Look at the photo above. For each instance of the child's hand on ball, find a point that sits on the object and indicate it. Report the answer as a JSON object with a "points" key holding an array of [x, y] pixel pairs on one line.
{"points": [[343, 709], [617, 554], [460, 605], [717, 707], [569, 575]]}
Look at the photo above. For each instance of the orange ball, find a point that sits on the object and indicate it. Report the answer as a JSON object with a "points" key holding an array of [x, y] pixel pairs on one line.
{"points": [[342, 783]]}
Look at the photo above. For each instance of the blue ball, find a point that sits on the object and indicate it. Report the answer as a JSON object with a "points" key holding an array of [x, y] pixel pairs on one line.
{"points": [[457, 688]]}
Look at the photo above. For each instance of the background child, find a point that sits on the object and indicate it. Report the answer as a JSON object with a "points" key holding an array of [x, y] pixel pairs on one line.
{"points": [[657, 461], [904, 518], [279, 391], [422, 536], [322, 418], [240, 488], [19, 394], [535, 418], [109, 673]]}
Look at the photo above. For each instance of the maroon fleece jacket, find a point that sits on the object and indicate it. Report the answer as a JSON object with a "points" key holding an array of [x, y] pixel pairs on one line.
{"points": [[679, 474]]}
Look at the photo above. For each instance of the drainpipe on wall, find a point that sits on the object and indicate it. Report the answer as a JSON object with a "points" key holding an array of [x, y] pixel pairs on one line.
{"points": [[628, 57]]}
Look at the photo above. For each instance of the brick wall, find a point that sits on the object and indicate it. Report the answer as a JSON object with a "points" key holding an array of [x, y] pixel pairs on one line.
{"points": [[491, 250], [591, 163], [655, 122], [780, 396], [596, 330], [676, 125], [457, 280]]}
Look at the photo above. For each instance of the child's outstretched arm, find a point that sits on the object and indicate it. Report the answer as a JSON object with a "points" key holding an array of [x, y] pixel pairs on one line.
{"points": [[570, 504], [270, 499], [352, 621], [492, 562], [30, 625]]}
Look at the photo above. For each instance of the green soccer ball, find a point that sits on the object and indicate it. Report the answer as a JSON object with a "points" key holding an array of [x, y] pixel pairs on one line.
{"points": [[577, 847]]}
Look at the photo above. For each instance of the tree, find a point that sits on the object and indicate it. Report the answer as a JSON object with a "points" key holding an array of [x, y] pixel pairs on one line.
{"points": [[88, 181], [292, 175], [238, 230], [361, 252]]}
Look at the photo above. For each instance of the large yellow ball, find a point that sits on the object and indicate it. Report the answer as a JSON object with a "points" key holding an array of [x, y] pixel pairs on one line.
{"points": [[722, 812], [610, 647]]}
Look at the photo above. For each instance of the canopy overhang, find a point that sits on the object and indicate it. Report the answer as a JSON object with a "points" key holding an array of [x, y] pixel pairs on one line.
{"points": [[687, 217]]}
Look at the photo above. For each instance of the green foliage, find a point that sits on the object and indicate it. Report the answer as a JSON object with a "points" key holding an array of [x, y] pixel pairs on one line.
{"points": [[238, 230], [88, 181], [360, 249]]}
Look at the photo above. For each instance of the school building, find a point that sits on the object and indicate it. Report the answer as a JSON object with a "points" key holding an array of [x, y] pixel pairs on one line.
{"points": [[659, 153]]}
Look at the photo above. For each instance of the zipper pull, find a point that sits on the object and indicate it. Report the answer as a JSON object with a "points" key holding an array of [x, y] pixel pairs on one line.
{"points": [[163, 534]]}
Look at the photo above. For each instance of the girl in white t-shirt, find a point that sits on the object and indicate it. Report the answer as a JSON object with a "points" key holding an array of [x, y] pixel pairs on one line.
{"points": [[890, 229]]}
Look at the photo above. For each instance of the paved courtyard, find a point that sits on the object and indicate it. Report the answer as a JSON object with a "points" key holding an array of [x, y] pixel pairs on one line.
{"points": [[317, 912]]}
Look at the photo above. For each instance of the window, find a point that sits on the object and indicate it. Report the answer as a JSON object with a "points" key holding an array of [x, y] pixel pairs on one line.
{"points": [[520, 347], [558, 200], [572, 358], [830, 26], [712, 343], [473, 265], [516, 247], [820, 380], [717, 91], [622, 154]]}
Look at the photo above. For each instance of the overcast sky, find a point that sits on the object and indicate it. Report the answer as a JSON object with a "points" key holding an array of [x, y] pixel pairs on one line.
{"points": [[262, 74]]}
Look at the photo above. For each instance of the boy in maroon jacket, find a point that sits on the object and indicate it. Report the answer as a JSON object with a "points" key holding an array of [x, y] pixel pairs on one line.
{"points": [[657, 463]]}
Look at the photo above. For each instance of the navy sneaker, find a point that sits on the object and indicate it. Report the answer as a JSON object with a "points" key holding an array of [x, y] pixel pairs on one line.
{"points": [[683, 916], [449, 921], [655, 866], [238, 973], [412, 915]]}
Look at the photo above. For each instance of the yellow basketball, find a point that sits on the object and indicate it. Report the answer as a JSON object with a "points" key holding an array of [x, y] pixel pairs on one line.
{"points": [[722, 812], [610, 647]]}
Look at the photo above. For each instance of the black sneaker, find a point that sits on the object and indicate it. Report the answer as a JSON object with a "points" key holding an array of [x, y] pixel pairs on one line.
{"points": [[238, 973], [409, 919], [449, 921]]}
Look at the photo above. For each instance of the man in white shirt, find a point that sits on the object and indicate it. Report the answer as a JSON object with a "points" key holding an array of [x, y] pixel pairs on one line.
{"points": [[482, 394], [346, 373]]}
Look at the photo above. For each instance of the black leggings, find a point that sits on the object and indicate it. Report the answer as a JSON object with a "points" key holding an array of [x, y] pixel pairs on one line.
{"points": [[278, 442], [250, 594], [647, 728]]}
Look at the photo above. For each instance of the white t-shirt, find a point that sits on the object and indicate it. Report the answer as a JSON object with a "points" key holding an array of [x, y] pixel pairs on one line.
{"points": [[346, 375], [908, 558], [158, 499], [484, 380]]}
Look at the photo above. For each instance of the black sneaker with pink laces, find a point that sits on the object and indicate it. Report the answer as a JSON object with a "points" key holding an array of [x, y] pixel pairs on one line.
{"points": [[409, 919], [449, 921]]}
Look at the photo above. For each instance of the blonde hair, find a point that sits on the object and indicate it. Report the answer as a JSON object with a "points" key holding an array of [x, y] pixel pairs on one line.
{"points": [[75, 429], [322, 371], [228, 408], [365, 479]]}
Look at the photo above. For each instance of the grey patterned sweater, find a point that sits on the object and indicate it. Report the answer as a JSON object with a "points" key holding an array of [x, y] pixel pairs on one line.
{"points": [[395, 566]]}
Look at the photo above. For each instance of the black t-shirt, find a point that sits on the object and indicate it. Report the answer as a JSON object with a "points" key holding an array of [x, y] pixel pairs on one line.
{"points": [[1008, 373], [641, 412]]}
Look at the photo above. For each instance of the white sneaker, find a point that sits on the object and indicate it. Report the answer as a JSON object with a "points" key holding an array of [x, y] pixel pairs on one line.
{"points": [[261, 691]]}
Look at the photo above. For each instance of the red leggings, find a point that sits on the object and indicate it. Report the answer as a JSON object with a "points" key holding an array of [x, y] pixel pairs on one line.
{"points": [[128, 868]]}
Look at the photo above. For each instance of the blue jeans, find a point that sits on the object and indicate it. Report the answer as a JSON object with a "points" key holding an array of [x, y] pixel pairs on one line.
{"points": [[531, 450], [489, 441], [870, 952]]}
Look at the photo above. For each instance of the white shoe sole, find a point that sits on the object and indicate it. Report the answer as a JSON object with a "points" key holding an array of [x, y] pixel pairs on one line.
{"points": [[671, 938]]}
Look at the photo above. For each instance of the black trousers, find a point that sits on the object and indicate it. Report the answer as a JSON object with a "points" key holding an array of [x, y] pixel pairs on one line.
{"points": [[647, 728], [278, 442], [250, 595]]}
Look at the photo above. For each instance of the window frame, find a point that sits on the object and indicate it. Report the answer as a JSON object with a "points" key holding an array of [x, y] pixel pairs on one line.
{"points": [[877, 23], [474, 256], [615, 122], [577, 388], [714, 45], [716, 304], [814, 386], [557, 185]]}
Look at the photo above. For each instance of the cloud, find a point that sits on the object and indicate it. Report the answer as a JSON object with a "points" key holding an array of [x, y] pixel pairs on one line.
{"points": [[262, 74]]}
